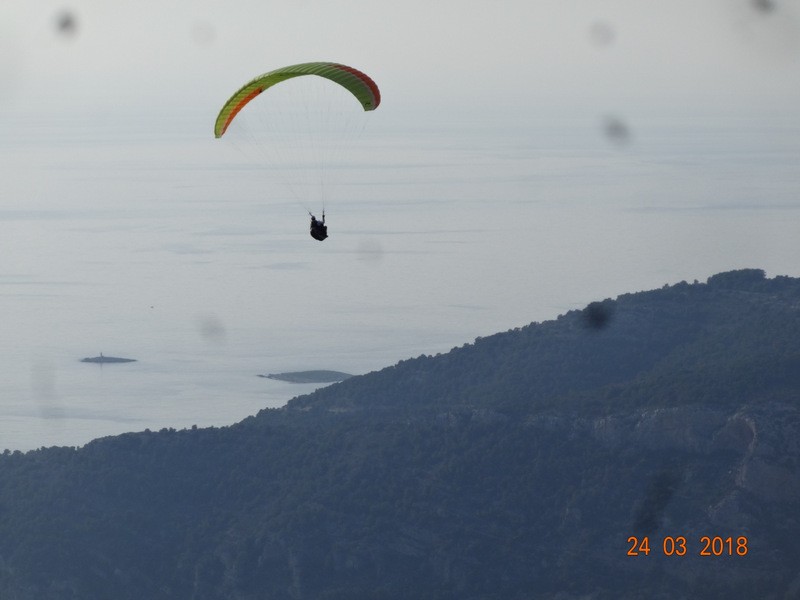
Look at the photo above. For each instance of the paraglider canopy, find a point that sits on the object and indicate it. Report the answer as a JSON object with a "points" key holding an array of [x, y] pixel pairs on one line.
{"points": [[357, 83], [303, 147]]}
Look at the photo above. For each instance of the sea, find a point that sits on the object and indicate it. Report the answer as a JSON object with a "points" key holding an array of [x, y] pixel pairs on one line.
{"points": [[156, 242]]}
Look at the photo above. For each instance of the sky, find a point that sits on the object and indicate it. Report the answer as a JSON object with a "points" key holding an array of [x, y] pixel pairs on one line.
{"points": [[434, 57], [528, 157]]}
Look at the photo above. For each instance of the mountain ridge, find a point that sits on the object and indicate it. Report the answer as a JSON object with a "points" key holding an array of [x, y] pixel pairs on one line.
{"points": [[574, 333], [518, 466]]}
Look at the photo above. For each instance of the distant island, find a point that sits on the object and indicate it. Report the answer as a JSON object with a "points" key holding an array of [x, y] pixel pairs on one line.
{"points": [[309, 376], [107, 359]]}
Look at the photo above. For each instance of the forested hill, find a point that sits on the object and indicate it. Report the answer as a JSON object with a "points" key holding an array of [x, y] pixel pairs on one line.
{"points": [[682, 344], [644, 447]]}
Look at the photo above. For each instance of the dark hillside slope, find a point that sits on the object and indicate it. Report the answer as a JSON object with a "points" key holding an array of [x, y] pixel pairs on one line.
{"points": [[738, 329], [517, 467]]}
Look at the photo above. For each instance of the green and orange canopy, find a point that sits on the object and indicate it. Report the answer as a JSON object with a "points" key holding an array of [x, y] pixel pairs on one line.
{"points": [[357, 83]]}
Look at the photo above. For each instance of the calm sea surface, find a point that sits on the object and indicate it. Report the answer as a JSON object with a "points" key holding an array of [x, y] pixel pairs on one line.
{"points": [[186, 254]]}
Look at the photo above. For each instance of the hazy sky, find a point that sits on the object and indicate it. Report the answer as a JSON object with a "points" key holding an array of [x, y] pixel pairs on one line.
{"points": [[438, 56]]}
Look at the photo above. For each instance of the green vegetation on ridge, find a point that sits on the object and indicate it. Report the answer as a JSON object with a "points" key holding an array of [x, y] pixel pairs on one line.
{"points": [[515, 467]]}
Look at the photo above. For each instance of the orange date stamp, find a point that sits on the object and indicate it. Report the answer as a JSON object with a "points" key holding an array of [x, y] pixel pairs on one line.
{"points": [[678, 546]]}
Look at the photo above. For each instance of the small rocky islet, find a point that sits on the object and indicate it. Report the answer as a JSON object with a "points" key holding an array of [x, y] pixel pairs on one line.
{"points": [[107, 359], [319, 376]]}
